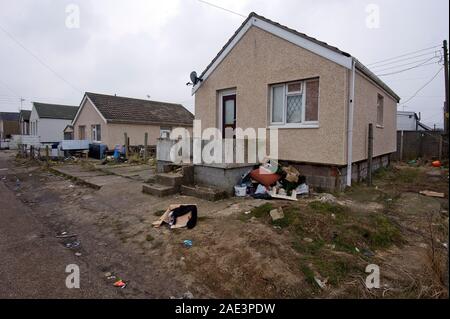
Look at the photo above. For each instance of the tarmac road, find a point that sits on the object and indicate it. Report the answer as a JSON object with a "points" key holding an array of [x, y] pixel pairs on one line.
{"points": [[33, 261]]}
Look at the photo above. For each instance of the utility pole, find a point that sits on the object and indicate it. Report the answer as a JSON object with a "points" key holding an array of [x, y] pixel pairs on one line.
{"points": [[446, 115]]}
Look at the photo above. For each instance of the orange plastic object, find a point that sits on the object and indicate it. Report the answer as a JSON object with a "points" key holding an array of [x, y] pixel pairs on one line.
{"points": [[262, 176], [436, 164]]}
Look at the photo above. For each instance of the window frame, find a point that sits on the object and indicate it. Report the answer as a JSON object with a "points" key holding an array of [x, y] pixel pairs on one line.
{"points": [[284, 124], [380, 98], [94, 132], [82, 128]]}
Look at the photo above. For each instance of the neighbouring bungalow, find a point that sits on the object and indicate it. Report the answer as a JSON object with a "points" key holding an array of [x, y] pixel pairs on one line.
{"points": [[410, 121], [9, 124], [24, 122], [320, 98], [47, 121], [105, 118]]}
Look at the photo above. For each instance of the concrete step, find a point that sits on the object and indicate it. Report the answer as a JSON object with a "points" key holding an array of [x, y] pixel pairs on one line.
{"points": [[203, 192], [159, 190], [169, 179]]}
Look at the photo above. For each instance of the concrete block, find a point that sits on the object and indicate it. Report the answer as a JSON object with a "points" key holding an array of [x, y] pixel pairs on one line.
{"points": [[158, 190], [169, 179], [207, 193]]}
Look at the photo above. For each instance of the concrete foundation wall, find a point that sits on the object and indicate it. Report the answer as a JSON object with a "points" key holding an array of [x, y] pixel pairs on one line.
{"points": [[323, 177], [219, 177]]}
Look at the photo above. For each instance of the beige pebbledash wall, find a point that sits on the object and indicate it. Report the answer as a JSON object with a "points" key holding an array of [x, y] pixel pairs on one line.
{"points": [[261, 59], [365, 112], [113, 134]]}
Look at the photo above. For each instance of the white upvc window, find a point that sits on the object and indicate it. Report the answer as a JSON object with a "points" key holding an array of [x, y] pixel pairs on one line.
{"points": [[96, 132], [380, 110], [294, 104]]}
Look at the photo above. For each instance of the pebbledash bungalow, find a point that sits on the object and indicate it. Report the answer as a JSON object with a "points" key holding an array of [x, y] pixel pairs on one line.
{"points": [[320, 98]]}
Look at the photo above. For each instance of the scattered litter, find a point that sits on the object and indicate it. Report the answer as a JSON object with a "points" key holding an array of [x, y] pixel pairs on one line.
{"points": [[77, 254], [432, 194], [247, 212], [240, 190], [327, 198], [264, 176], [357, 249], [277, 227], [367, 252], [330, 246], [187, 243], [320, 283], [66, 236], [261, 189], [436, 164], [178, 216], [120, 284], [108, 274], [188, 295], [273, 193], [308, 240], [302, 189], [276, 214], [71, 186], [292, 174], [445, 245], [4, 178], [74, 244], [333, 216]]}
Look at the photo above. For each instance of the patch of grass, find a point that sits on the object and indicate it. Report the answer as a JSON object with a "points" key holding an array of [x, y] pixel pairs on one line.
{"points": [[309, 274], [335, 269], [258, 212], [292, 220], [149, 238], [382, 172], [327, 208], [408, 175], [385, 234], [312, 248]]}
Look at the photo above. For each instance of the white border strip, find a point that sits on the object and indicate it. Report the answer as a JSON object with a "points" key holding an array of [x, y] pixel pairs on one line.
{"points": [[281, 33]]}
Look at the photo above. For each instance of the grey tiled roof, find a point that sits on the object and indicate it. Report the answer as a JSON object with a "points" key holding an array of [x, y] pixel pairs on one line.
{"points": [[55, 111], [118, 109]]}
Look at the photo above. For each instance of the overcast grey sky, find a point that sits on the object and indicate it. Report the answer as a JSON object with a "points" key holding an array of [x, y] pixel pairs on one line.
{"points": [[144, 47]]}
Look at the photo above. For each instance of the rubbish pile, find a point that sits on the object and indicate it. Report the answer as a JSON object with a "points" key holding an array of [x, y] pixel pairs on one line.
{"points": [[271, 180]]}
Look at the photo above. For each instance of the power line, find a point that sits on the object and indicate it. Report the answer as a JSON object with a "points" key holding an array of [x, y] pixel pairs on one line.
{"points": [[222, 8], [39, 59], [424, 86], [403, 55], [406, 59], [407, 69], [406, 64]]}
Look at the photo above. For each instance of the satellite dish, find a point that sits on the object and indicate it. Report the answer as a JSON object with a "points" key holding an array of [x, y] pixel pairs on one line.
{"points": [[194, 78]]}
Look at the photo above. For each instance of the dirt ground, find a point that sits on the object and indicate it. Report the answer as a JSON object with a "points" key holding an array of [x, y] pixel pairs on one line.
{"points": [[238, 251]]}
